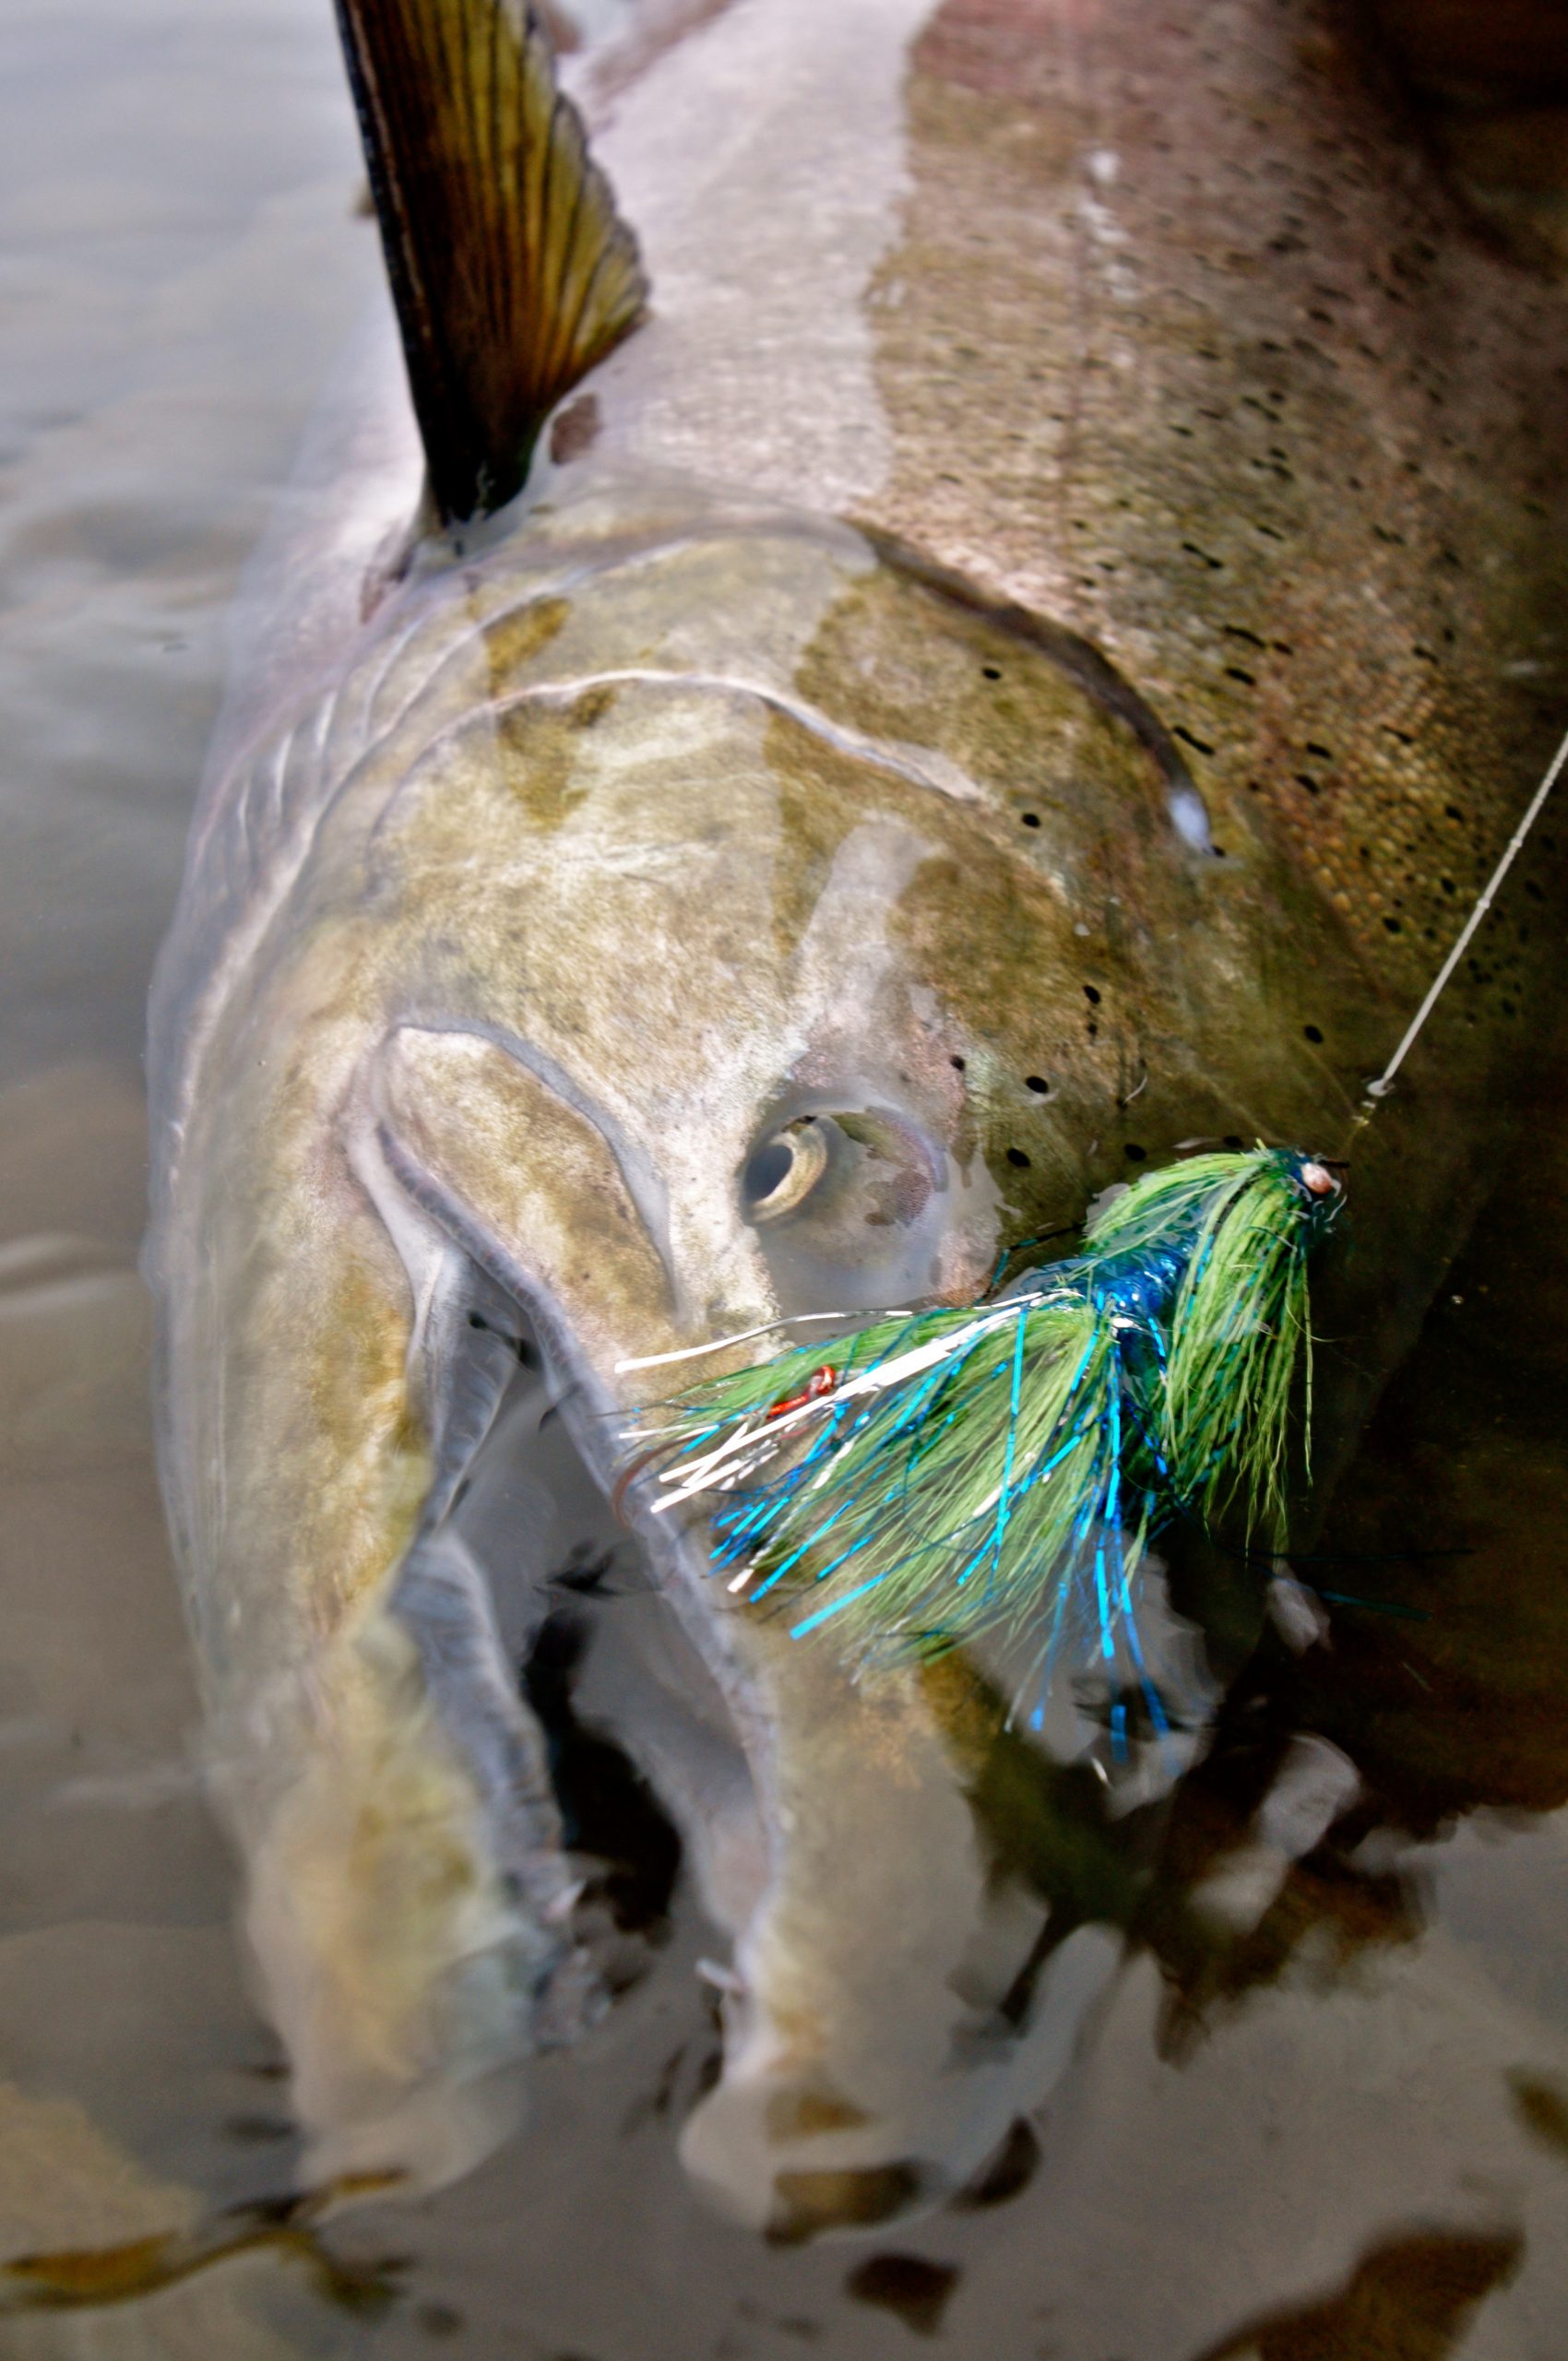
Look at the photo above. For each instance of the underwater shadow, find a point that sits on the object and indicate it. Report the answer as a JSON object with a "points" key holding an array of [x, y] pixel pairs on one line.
{"points": [[1445, 1656], [1408, 2299]]}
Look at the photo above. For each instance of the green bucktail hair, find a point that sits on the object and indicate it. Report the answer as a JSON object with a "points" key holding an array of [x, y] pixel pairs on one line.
{"points": [[1241, 1333], [1007, 1462]]}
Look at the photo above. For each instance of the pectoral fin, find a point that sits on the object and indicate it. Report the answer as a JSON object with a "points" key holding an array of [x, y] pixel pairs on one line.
{"points": [[512, 271]]}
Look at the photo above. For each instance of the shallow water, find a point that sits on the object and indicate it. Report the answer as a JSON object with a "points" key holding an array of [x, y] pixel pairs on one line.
{"points": [[1322, 2110]]}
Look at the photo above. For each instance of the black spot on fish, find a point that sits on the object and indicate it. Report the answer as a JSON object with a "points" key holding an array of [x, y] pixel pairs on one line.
{"points": [[1312, 1032], [1037, 1083], [1091, 994], [1015, 1155], [1133, 1153], [1030, 819]]}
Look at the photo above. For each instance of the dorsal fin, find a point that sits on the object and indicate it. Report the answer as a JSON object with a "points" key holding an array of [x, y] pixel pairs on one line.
{"points": [[512, 271]]}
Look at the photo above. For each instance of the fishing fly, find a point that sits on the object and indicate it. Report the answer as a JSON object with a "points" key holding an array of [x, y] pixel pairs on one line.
{"points": [[1005, 1464]]}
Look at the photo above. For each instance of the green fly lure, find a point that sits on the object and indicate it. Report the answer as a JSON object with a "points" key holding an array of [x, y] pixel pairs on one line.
{"points": [[1006, 1463]]}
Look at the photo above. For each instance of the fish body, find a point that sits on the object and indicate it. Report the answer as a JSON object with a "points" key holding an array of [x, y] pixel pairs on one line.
{"points": [[1025, 660]]}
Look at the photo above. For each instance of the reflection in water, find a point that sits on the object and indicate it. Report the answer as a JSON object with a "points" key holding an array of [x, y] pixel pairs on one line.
{"points": [[1409, 2299], [1442, 1688], [917, 2291], [88, 2279]]}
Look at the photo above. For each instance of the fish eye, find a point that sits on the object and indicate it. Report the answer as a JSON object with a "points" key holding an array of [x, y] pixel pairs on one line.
{"points": [[782, 1172], [847, 1201], [850, 1175]]}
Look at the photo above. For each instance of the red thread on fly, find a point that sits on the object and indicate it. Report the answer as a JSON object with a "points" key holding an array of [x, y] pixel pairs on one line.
{"points": [[821, 1380]]}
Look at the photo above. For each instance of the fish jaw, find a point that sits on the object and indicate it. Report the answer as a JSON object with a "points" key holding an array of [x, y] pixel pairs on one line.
{"points": [[407, 1982], [409, 1900], [407, 1903], [869, 2068]]}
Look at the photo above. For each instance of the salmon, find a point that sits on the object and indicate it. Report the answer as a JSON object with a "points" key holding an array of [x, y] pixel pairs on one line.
{"points": [[1012, 618]]}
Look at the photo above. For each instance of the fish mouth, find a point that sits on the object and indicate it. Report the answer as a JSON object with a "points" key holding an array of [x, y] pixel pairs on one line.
{"points": [[583, 1582], [855, 2079]]}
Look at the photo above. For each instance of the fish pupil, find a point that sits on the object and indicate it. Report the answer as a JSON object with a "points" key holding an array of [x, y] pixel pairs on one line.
{"points": [[767, 1169]]}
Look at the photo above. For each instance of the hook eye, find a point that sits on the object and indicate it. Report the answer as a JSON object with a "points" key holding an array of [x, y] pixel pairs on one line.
{"points": [[782, 1172]]}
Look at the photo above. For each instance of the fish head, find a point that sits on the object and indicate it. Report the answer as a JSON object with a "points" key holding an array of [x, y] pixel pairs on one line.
{"points": [[773, 932], [878, 924]]}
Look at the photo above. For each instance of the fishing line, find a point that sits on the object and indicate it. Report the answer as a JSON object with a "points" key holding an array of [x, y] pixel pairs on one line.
{"points": [[1384, 1083]]}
